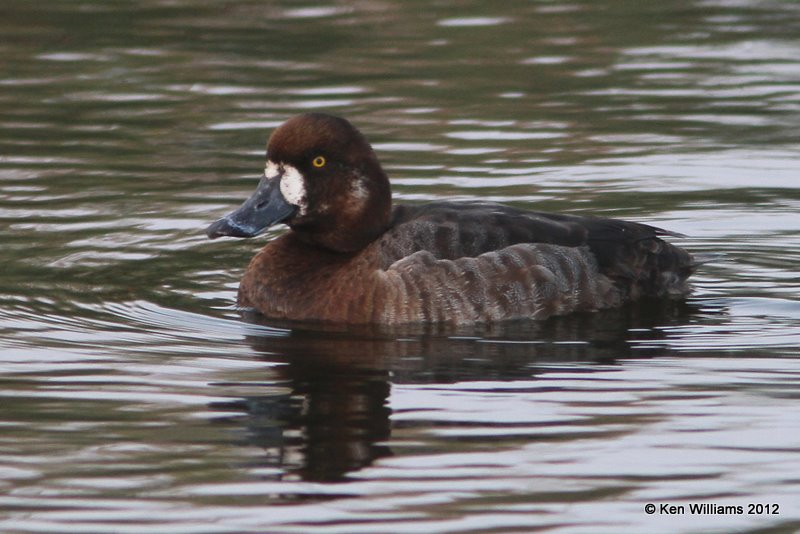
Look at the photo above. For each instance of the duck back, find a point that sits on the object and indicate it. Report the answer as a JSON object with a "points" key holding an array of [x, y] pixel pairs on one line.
{"points": [[474, 262]]}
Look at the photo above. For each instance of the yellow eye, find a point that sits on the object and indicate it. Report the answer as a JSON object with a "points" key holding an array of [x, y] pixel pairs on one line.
{"points": [[318, 162]]}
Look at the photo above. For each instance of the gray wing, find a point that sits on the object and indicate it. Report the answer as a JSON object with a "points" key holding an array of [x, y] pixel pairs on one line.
{"points": [[632, 255], [528, 280]]}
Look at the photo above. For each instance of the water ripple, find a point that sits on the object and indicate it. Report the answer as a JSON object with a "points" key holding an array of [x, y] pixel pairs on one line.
{"points": [[136, 396]]}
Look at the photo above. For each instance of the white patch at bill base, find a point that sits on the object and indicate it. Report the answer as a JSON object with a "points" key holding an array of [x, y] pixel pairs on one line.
{"points": [[293, 187], [272, 170]]}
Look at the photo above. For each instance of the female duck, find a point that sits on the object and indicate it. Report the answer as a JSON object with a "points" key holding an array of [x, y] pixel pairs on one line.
{"points": [[350, 257]]}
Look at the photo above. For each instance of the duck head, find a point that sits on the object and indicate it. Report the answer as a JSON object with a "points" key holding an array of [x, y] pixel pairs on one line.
{"points": [[323, 180]]}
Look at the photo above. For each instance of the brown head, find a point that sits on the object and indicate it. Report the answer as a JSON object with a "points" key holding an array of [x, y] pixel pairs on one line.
{"points": [[322, 179]]}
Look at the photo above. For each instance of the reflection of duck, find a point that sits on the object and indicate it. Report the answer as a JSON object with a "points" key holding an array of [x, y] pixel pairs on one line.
{"points": [[351, 258], [335, 418]]}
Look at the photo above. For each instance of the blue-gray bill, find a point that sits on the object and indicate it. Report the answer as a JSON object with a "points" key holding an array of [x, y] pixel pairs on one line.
{"points": [[265, 208]]}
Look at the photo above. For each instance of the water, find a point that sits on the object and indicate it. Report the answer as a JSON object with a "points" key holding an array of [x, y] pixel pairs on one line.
{"points": [[135, 397]]}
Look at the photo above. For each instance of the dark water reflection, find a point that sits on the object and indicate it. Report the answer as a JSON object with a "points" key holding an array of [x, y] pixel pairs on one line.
{"points": [[134, 397], [335, 419]]}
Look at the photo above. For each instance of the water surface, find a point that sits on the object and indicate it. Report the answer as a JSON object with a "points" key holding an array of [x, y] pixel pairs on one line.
{"points": [[136, 397]]}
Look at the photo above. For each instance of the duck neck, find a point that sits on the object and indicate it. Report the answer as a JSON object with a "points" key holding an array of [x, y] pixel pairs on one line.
{"points": [[359, 218]]}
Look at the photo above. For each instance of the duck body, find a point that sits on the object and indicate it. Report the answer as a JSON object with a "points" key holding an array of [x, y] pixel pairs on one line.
{"points": [[350, 258]]}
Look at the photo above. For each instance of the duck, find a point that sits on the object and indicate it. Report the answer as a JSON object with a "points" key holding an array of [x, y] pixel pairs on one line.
{"points": [[350, 256]]}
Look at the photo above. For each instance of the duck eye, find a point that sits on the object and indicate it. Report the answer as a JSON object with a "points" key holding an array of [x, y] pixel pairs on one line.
{"points": [[318, 162]]}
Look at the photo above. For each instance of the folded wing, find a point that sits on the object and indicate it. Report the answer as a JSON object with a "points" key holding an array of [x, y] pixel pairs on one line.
{"points": [[469, 262]]}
